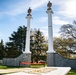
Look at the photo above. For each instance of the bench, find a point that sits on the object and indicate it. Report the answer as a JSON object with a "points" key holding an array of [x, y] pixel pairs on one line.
{"points": [[29, 63]]}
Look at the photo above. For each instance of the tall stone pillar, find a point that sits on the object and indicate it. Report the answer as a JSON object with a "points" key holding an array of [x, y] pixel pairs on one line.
{"points": [[50, 51], [50, 31], [27, 53], [29, 17]]}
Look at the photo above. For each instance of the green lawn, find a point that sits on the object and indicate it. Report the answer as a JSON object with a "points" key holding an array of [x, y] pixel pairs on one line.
{"points": [[72, 72], [31, 66], [3, 67]]}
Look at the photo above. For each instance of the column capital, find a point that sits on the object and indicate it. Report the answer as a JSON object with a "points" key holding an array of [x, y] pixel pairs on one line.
{"points": [[49, 11], [29, 17]]}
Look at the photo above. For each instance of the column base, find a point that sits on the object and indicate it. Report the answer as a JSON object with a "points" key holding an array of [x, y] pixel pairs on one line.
{"points": [[27, 52], [51, 59], [26, 58]]}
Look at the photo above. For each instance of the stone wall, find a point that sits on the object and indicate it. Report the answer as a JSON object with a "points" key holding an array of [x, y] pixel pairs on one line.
{"points": [[54, 59], [16, 61]]}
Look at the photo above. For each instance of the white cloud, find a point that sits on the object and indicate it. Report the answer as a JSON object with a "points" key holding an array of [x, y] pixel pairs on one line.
{"points": [[55, 31], [65, 7], [57, 2], [68, 8], [43, 19], [22, 6], [55, 34], [37, 3], [57, 21], [17, 8], [44, 30]]}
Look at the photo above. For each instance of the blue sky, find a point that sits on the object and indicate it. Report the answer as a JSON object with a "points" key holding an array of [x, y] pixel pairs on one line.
{"points": [[13, 14]]}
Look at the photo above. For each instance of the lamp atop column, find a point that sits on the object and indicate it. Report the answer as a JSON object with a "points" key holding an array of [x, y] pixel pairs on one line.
{"points": [[49, 5], [29, 12]]}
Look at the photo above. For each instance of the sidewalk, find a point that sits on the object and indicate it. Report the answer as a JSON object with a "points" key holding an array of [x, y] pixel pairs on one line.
{"points": [[36, 71], [3, 71]]}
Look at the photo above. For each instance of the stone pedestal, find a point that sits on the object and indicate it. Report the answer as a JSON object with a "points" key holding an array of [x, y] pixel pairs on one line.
{"points": [[50, 59], [26, 58]]}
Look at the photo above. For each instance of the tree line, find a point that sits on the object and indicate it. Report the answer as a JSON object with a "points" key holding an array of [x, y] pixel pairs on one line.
{"points": [[17, 44], [64, 45]]}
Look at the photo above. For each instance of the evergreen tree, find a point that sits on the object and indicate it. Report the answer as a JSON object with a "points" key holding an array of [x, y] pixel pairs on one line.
{"points": [[37, 45], [18, 38], [17, 42], [2, 50]]}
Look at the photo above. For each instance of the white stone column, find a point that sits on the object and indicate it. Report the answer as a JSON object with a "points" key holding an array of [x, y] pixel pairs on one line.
{"points": [[50, 30], [27, 47]]}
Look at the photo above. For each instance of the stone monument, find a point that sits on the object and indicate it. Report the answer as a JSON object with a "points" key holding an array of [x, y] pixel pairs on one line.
{"points": [[27, 47], [50, 52]]}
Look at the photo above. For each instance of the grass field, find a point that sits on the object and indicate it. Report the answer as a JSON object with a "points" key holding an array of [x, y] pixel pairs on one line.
{"points": [[31, 66], [72, 72], [3, 67]]}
